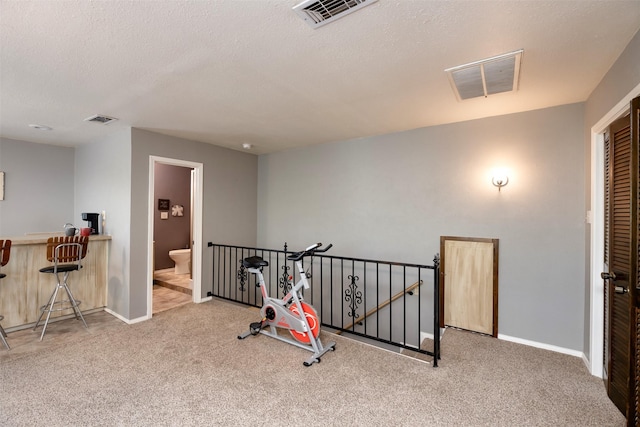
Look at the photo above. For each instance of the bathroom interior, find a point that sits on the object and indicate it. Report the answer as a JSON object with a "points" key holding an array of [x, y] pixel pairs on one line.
{"points": [[172, 229]]}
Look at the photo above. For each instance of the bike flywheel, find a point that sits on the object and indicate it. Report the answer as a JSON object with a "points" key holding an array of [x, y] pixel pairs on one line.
{"points": [[312, 319]]}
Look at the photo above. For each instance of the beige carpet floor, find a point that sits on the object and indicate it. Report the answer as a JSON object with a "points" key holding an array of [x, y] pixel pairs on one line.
{"points": [[185, 367]]}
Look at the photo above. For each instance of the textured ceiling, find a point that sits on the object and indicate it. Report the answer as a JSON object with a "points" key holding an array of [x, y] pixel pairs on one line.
{"points": [[229, 72]]}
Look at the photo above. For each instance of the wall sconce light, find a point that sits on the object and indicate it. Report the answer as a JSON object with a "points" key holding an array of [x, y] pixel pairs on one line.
{"points": [[500, 180]]}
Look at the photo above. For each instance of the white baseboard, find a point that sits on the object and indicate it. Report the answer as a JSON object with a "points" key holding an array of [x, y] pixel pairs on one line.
{"points": [[587, 362], [543, 346], [427, 335], [529, 343], [124, 319], [143, 318]]}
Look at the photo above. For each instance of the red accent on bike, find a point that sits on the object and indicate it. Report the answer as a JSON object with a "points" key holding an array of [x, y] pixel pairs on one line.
{"points": [[312, 319]]}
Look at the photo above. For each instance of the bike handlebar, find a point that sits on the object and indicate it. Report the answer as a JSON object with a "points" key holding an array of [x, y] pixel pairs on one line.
{"points": [[309, 251]]}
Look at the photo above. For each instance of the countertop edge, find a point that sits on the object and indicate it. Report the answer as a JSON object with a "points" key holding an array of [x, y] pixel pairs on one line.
{"points": [[42, 238]]}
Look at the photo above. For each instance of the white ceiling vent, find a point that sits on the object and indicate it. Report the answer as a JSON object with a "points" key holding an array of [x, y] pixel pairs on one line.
{"points": [[99, 118], [320, 12], [486, 77]]}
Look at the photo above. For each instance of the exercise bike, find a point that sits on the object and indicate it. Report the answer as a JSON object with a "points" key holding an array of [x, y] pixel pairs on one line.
{"points": [[291, 312]]}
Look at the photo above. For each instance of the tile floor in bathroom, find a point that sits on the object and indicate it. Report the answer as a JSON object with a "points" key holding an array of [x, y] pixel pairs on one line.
{"points": [[170, 290]]}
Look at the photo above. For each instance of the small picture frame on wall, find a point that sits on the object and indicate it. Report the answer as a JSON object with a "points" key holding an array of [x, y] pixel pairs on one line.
{"points": [[177, 210], [163, 204], [1, 185]]}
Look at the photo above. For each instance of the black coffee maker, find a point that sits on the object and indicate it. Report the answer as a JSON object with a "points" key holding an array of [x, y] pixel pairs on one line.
{"points": [[92, 219]]}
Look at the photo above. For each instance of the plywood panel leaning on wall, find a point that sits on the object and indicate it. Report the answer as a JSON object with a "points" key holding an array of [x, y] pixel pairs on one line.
{"points": [[469, 294]]}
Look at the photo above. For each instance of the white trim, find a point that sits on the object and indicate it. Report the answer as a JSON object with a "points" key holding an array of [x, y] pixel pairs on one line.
{"points": [[428, 336], [124, 319], [621, 108], [522, 341], [196, 244], [543, 346], [150, 242], [586, 362], [114, 314], [596, 286], [196, 262]]}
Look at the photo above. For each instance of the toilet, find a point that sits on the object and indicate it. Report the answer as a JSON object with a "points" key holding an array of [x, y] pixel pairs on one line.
{"points": [[182, 258]]}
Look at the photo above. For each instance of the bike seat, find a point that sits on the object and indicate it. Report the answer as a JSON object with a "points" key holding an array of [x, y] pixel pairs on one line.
{"points": [[254, 262]]}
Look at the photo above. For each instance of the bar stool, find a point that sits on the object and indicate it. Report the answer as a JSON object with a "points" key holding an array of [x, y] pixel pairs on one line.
{"points": [[66, 253], [5, 250]]}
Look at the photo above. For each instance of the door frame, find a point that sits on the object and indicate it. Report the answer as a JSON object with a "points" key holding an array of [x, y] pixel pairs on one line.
{"points": [[196, 244], [596, 217]]}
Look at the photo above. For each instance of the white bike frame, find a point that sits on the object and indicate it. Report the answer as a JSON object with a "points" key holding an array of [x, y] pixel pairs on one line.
{"points": [[286, 319]]}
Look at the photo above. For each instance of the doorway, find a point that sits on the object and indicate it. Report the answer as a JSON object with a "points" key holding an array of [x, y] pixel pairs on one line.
{"points": [[195, 243], [620, 261], [596, 218], [172, 236]]}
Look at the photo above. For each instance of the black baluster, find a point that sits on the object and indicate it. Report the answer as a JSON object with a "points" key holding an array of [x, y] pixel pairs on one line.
{"points": [[242, 275], [353, 296], [284, 283]]}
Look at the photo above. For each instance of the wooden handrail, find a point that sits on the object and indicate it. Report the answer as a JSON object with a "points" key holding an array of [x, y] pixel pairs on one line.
{"points": [[383, 305]]}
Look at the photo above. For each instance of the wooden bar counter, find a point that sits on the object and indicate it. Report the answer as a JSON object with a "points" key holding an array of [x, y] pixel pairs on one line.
{"points": [[25, 289]]}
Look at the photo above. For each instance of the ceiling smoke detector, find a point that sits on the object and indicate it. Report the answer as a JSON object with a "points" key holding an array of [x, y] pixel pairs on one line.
{"points": [[486, 77], [100, 118], [317, 13]]}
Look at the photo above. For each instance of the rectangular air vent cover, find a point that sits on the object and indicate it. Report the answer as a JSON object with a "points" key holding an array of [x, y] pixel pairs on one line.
{"points": [[321, 12], [99, 118], [486, 77]]}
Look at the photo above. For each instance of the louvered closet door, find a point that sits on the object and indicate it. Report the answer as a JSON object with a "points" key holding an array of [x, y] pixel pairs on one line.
{"points": [[634, 392], [622, 313], [621, 272]]}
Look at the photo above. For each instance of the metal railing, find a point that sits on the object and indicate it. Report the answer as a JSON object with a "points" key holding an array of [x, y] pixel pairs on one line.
{"points": [[387, 302]]}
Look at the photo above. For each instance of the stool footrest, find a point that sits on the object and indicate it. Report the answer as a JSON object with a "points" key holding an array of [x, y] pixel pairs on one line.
{"points": [[60, 306]]}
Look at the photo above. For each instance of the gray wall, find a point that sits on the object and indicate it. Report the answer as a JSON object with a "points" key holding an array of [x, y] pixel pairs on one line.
{"points": [[103, 182], [48, 186], [39, 187], [229, 205], [621, 78], [391, 197], [174, 184]]}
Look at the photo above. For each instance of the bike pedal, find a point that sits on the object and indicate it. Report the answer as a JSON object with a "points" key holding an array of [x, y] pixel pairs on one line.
{"points": [[255, 328]]}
